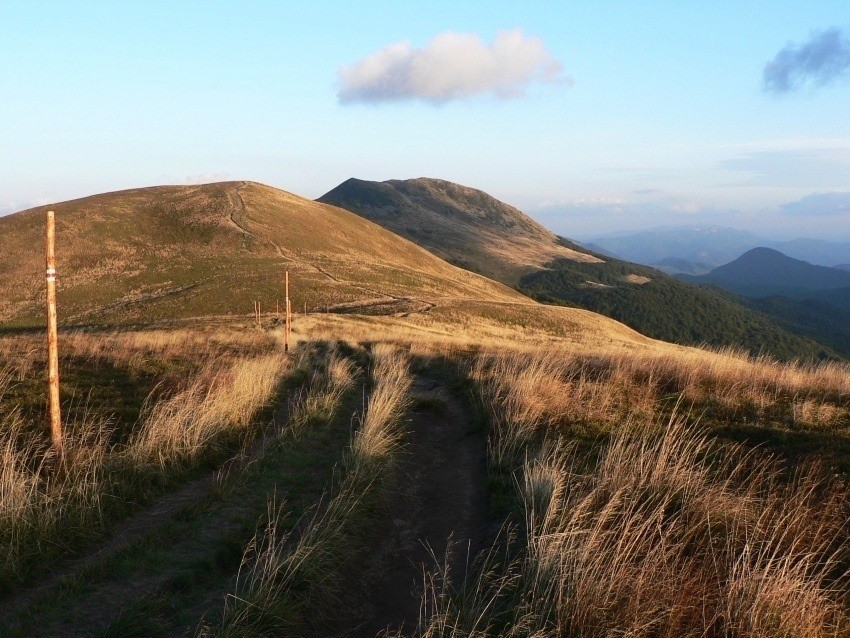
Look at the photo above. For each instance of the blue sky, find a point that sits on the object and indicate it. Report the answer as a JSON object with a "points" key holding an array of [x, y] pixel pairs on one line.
{"points": [[657, 113]]}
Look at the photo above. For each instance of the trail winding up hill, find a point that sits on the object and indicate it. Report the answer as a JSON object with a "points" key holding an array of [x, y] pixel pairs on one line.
{"points": [[181, 251]]}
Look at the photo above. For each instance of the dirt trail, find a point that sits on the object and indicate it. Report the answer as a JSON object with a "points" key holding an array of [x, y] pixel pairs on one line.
{"points": [[138, 525], [442, 495], [127, 532]]}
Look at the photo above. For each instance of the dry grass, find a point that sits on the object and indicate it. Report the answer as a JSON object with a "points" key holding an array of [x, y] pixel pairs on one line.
{"points": [[380, 433], [220, 399], [568, 390], [330, 380], [45, 506], [663, 532], [285, 585], [41, 500], [661, 540], [532, 394], [25, 353]]}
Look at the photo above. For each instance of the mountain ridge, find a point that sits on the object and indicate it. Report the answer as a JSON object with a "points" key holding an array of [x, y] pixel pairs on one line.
{"points": [[445, 217], [643, 298]]}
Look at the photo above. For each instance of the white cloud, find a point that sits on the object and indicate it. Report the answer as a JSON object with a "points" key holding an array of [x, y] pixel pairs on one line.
{"points": [[451, 66]]}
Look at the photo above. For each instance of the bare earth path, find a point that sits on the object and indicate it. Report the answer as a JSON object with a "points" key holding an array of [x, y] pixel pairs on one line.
{"points": [[139, 528], [151, 563], [441, 495], [134, 528]]}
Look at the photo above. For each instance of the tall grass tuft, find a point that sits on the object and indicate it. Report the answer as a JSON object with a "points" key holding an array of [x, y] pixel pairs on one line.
{"points": [[330, 380], [222, 398], [283, 585], [42, 501], [380, 432]]}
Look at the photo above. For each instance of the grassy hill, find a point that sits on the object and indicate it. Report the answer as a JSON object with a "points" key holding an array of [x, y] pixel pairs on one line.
{"points": [[182, 251], [474, 230]]}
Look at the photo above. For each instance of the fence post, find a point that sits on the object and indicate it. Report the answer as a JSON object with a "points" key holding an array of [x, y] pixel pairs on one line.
{"points": [[286, 309], [53, 338]]}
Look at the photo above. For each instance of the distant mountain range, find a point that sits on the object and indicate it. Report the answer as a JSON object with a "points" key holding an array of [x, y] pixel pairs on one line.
{"points": [[471, 229], [697, 250], [805, 298]]}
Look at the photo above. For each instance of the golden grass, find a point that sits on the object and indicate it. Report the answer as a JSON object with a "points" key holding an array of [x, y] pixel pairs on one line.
{"points": [[380, 433], [41, 499], [467, 326], [129, 347], [659, 540], [569, 389], [663, 532], [330, 380], [534, 393], [219, 399]]}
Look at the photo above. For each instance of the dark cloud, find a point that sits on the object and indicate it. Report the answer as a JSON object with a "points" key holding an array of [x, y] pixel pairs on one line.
{"points": [[819, 205], [821, 60]]}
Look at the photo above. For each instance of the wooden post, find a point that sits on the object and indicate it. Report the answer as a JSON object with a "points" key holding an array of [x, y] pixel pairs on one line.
{"points": [[53, 338], [286, 330]]}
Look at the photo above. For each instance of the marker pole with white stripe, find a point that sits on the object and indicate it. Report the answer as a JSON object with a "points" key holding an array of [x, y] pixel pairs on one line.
{"points": [[53, 338]]}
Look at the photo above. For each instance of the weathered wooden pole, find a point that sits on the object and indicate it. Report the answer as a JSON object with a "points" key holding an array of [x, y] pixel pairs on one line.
{"points": [[286, 330], [53, 338]]}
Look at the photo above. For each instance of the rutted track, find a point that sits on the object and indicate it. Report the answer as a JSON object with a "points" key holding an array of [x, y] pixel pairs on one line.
{"points": [[441, 498], [181, 535]]}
